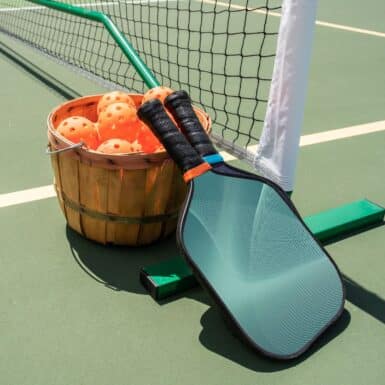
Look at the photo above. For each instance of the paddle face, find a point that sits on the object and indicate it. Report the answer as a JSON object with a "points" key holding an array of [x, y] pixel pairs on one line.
{"points": [[259, 262], [248, 246]]}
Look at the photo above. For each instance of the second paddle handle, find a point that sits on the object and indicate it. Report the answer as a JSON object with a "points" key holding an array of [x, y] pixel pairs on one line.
{"points": [[154, 115], [179, 104]]}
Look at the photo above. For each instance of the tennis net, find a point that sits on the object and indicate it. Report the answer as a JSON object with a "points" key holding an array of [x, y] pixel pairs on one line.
{"points": [[221, 52]]}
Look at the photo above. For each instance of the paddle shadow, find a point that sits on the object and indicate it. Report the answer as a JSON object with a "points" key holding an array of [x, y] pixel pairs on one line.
{"points": [[218, 338], [118, 267], [366, 300]]}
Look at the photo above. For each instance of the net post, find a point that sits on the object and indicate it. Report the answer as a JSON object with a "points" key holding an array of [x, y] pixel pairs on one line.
{"points": [[276, 156]]}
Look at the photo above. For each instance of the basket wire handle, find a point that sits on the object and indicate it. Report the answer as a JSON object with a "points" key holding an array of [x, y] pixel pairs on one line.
{"points": [[69, 148]]}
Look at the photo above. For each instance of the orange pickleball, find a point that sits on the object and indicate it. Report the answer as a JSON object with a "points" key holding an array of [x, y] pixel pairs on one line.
{"points": [[79, 129], [114, 97], [119, 146], [118, 120], [148, 140], [160, 93]]}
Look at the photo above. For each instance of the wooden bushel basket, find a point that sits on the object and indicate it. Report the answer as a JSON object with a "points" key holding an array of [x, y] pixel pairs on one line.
{"points": [[130, 199]]}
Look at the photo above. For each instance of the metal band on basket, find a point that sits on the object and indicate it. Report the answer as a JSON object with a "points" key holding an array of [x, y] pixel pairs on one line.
{"points": [[116, 218]]}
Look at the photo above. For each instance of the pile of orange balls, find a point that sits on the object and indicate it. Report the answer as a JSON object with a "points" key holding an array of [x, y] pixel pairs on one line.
{"points": [[118, 129]]}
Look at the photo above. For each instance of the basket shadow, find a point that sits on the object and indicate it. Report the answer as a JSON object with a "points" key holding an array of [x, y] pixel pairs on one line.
{"points": [[218, 338], [117, 267]]}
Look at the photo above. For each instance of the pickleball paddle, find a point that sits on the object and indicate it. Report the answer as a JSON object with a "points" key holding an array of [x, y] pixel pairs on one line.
{"points": [[247, 244]]}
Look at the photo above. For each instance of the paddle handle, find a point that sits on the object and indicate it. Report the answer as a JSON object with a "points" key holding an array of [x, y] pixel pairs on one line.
{"points": [[154, 115], [179, 104]]}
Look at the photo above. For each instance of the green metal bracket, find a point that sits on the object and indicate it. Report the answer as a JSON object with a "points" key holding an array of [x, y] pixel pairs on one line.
{"points": [[344, 220], [128, 50], [173, 276]]}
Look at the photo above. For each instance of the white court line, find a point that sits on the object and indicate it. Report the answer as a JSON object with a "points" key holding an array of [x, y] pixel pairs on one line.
{"points": [[241, 7], [44, 192], [342, 133], [222, 4], [212, 2], [318, 22], [24, 196], [327, 136], [350, 29]]}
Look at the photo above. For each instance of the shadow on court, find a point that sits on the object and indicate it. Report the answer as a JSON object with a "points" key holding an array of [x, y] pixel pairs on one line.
{"points": [[216, 337], [365, 299], [118, 267]]}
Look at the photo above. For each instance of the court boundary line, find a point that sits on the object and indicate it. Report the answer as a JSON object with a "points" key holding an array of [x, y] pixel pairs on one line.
{"points": [[48, 191], [328, 136], [321, 23], [318, 22], [26, 196]]}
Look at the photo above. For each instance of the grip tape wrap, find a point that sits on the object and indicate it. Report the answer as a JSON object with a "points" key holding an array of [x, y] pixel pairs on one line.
{"points": [[153, 114], [179, 105]]}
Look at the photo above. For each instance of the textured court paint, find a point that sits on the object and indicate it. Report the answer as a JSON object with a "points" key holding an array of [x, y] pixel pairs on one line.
{"points": [[318, 22], [25, 105], [335, 11], [344, 92], [55, 317], [23, 129]]}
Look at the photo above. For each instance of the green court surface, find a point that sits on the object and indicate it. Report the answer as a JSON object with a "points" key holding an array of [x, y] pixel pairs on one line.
{"points": [[74, 312]]}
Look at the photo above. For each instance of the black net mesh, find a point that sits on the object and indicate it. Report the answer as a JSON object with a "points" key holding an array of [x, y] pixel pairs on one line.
{"points": [[221, 52]]}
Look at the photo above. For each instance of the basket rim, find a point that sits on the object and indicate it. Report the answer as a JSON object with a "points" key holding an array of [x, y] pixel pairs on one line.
{"points": [[129, 160]]}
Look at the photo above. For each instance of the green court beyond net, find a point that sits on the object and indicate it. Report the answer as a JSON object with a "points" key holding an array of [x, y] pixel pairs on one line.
{"points": [[221, 52]]}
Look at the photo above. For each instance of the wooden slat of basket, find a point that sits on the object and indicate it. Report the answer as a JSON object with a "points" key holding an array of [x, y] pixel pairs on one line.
{"points": [[126, 218], [157, 191], [57, 180], [113, 206], [69, 171], [178, 194], [93, 195], [125, 198]]}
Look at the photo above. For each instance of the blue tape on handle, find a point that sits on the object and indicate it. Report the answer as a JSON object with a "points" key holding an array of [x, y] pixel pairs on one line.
{"points": [[213, 159]]}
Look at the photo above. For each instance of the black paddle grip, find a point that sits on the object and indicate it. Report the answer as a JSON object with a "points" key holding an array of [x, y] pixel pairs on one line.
{"points": [[154, 115], [179, 104]]}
